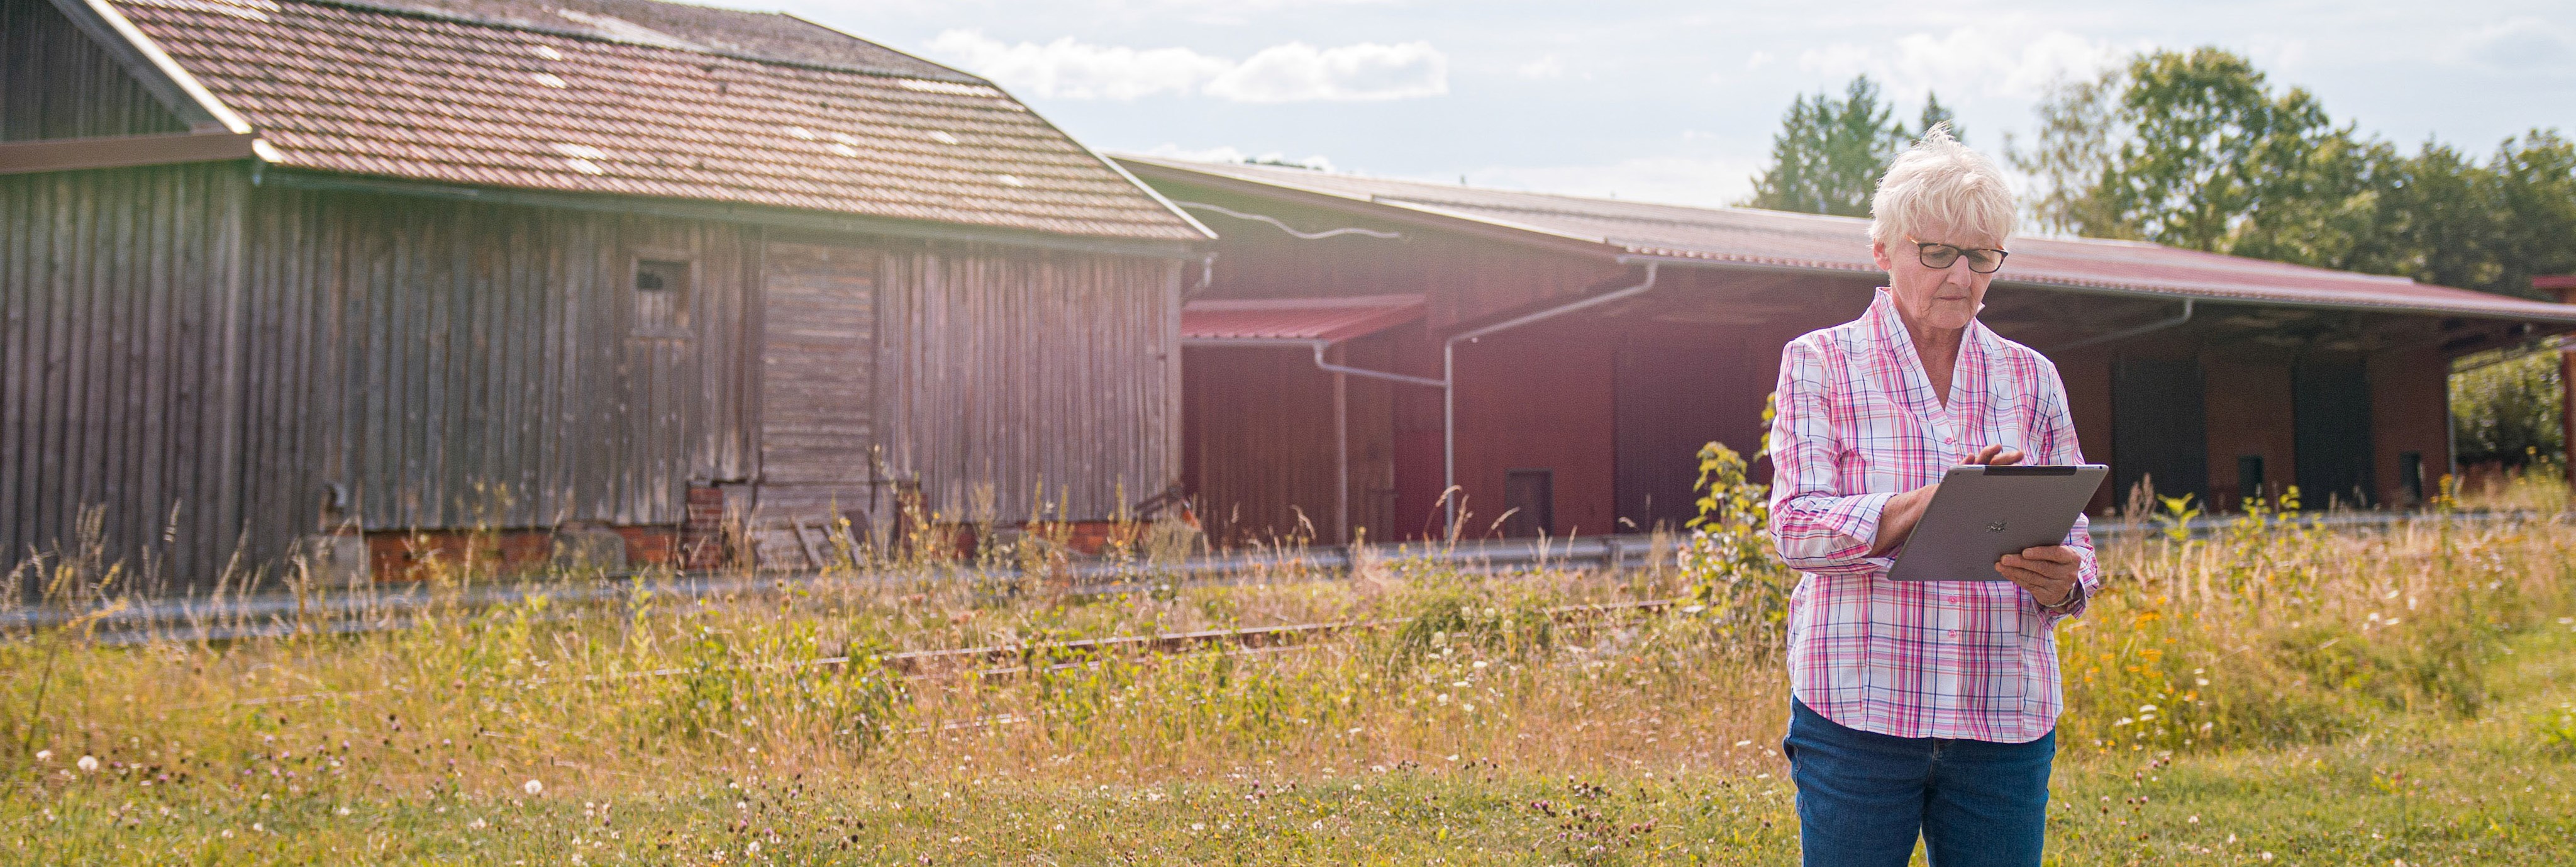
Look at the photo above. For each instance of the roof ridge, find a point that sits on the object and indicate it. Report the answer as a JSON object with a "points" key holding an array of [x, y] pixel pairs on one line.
{"points": [[453, 17]]}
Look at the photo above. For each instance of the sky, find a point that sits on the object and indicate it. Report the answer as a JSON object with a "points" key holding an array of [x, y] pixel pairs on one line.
{"points": [[1677, 102]]}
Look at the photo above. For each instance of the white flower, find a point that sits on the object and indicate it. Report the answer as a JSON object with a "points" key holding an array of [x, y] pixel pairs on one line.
{"points": [[477, 824], [44, 755], [88, 764], [532, 787]]}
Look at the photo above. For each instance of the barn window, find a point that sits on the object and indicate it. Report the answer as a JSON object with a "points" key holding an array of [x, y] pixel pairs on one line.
{"points": [[661, 297]]}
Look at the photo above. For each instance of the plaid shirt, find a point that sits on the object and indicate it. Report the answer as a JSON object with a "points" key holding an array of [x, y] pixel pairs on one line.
{"points": [[1858, 423]]}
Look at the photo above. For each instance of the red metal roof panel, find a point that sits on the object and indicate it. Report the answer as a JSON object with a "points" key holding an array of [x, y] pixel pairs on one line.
{"points": [[1326, 320], [1811, 241]]}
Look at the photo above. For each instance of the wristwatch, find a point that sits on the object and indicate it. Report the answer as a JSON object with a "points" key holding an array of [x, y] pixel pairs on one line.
{"points": [[2073, 598]]}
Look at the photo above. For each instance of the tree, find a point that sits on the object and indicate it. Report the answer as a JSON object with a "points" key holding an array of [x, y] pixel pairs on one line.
{"points": [[1829, 153], [2197, 150], [2506, 411]]}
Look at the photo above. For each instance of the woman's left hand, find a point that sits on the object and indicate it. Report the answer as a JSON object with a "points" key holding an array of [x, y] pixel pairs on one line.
{"points": [[2048, 572]]}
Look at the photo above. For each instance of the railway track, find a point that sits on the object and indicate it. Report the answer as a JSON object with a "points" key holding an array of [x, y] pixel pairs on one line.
{"points": [[390, 606], [1035, 656]]}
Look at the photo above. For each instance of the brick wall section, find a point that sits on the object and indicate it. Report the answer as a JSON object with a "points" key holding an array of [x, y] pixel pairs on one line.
{"points": [[2408, 391], [2248, 413]]}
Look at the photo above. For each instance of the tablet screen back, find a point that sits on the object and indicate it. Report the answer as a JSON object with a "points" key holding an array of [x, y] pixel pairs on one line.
{"points": [[1982, 513]]}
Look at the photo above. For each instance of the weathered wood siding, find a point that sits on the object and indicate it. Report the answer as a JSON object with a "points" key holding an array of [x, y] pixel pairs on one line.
{"points": [[818, 396], [451, 365], [1006, 376], [59, 84], [121, 341]]}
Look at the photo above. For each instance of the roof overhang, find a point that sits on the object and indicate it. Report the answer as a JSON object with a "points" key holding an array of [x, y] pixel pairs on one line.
{"points": [[1294, 322], [124, 151], [691, 209]]}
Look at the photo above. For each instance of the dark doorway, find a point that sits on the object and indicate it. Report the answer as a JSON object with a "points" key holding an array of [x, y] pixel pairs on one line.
{"points": [[2158, 431], [1670, 396], [2330, 406], [2249, 481], [1529, 500]]}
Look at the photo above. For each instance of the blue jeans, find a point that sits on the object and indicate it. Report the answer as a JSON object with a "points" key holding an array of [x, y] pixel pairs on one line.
{"points": [[1863, 797]]}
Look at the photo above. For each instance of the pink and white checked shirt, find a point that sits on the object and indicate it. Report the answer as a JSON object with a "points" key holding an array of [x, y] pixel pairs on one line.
{"points": [[1858, 423]]}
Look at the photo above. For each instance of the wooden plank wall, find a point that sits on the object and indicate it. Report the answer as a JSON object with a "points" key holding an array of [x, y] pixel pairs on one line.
{"points": [[453, 365], [121, 341], [1010, 375], [59, 84]]}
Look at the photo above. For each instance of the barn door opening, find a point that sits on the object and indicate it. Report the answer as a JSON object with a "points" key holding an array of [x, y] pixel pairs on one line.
{"points": [[2330, 412], [2159, 430], [818, 391], [659, 377]]}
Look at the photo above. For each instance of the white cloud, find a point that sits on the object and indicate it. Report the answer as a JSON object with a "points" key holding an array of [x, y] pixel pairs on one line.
{"points": [[1292, 72], [1544, 67], [2521, 44], [1672, 179], [1991, 60], [1231, 154], [1073, 70]]}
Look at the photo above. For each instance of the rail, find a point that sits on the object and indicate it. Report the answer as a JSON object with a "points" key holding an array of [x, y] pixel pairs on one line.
{"points": [[386, 606]]}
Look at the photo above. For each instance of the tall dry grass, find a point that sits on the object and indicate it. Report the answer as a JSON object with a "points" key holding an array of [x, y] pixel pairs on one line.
{"points": [[2277, 629]]}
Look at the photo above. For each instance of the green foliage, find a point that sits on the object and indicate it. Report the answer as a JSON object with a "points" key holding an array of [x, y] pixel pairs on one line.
{"points": [[2196, 149], [1829, 153], [2507, 411], [1736, 579]]}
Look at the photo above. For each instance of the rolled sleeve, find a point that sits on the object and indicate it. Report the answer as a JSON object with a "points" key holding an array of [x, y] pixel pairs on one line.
{"points": [[1816, 526]]}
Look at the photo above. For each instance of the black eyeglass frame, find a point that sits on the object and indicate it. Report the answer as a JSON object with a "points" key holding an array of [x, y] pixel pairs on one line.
{"points": [[1923, 254]]}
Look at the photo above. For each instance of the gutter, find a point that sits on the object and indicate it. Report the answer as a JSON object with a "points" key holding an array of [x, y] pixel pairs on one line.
{"points": [[2126, 333]]}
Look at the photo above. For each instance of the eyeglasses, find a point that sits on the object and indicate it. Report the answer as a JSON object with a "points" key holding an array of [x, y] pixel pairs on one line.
{"points": [[1938, 256]]}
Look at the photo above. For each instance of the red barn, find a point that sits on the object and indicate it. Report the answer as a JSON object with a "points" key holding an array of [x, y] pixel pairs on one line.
{"points": [[1366, 344]]}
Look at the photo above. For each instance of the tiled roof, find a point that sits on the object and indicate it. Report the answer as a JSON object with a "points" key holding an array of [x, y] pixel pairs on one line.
{"points": [[644, 98], [1809, 241], [1328, 320]]}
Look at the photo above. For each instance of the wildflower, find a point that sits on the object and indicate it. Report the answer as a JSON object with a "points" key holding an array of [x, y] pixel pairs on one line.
{"points": [[88, 764], [532, 787], [478, 824], [44, 755]]}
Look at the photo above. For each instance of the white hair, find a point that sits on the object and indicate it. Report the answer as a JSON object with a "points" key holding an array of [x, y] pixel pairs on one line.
{"points": [[1941, 185]]}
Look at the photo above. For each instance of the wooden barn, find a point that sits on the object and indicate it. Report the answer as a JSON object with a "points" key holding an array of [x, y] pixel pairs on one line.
{"points": [[282, 272], [1367, 343]]}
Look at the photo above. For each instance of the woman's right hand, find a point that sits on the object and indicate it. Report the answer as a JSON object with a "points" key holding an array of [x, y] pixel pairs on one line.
{"points": [[1897, 519]]}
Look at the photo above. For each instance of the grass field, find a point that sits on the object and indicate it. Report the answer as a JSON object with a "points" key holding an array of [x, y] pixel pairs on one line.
{"points": [[2276, 693]]}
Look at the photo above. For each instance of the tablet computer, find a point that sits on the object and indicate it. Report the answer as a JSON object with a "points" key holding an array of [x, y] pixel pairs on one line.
{"points": [[1981, 513]]}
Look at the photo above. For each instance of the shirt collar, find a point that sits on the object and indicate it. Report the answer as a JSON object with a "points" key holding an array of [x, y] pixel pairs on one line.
{"points": [[1887, 326]]}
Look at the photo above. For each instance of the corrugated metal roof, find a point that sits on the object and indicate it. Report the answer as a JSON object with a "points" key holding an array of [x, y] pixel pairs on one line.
{"points": [[1327, 320], [644, 98], [1810, 241]]}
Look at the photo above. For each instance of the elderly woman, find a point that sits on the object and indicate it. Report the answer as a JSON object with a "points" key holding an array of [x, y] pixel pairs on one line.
{"points": [[1920, 708]]}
